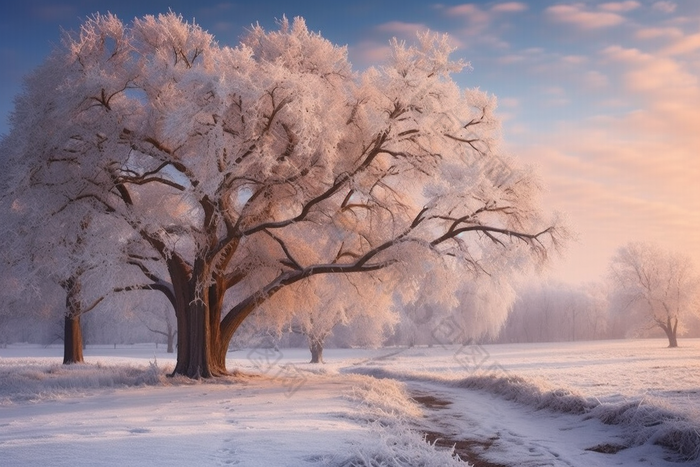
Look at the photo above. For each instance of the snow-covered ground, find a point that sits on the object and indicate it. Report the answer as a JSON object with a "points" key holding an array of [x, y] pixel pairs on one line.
{"points": [[512, 405]]}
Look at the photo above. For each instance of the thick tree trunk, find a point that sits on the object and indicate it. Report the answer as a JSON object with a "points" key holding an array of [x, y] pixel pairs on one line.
{"points": [[672, 340], [72, 340], [670, 329], [199, 352], [316, 348]]}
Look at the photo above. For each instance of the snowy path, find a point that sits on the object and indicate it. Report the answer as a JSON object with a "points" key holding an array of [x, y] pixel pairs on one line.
{"points": [[510, 434]]}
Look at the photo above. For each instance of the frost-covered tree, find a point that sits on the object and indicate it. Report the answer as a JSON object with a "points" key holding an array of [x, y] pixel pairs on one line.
{"points": [[65, 250], [316, 307], [441, 310], [555, 311], [241, 171], [159, 319], [655, 287]]}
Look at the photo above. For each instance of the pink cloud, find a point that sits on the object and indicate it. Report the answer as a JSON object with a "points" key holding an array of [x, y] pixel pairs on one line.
{"points": [[466, 9], [685, 45], [400, 28], [659, 33], [577, 15], [620, 7], [509, 7], [477, 18], [595, 80], [368, 53], [656, 77], [665, 6], [617, 182]]}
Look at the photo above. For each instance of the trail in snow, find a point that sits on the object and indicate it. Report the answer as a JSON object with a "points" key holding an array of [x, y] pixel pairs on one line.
{"points": [[506, 433]]}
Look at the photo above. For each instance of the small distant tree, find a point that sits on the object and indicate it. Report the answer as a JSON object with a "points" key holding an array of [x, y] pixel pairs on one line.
{"points": [[555, 311], [317, 307], [656, 287], [159, 319]]}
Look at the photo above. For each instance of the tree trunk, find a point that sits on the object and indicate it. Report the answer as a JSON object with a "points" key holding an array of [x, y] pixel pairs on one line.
{"points": [[72, 340], [171, 339], [316, 347], [199, 353], [670, 330]]}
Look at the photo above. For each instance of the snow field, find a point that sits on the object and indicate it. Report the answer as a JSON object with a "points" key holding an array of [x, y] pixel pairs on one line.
{"points": [[575, 404], [120, 414]]}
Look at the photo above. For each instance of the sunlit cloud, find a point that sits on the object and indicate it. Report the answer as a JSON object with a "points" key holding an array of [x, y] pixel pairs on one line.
{"points": [[665, 7], [579, 16], [654, 77], [595, 80], [620, 7], [509, 7], [470, 11], [511, 59], [366, 53], [402, 29], [685, 45], [659, 33], [574, 59], [615, 189], [509, 102]]}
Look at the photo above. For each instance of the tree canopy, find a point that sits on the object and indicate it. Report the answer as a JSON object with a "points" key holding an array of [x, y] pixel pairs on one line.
{"points": [[229, 173]]}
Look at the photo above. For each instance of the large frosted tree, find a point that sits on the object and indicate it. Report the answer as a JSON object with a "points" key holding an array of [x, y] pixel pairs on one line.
{"points": [[240, 171]]}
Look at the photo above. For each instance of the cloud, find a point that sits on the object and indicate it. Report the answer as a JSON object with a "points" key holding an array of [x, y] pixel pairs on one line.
{"points": [[579, 16], [509, 7], [665, 7], [368, 53], [221, 27], [469, 10], [654, 77], [574, 59], [659, 33], [481, 27], [511, 59], [620, 7], [685, 45], [595, 80], [508, 102], [55, 13], [616, 186], [402, 29]]}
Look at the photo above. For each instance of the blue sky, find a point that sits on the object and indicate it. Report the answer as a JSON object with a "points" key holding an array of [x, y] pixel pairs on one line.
{"points": [[602, 96]]}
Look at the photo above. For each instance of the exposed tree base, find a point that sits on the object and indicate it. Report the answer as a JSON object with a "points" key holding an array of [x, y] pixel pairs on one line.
{"points": [[316, 352], [72, 341]]}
